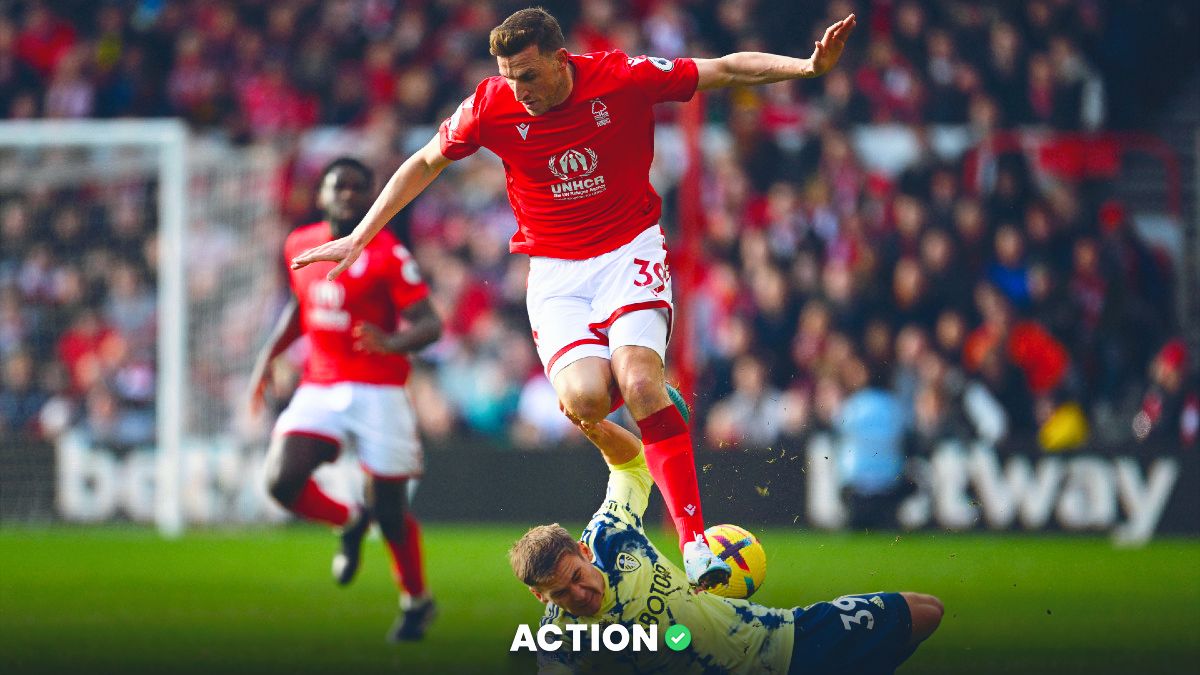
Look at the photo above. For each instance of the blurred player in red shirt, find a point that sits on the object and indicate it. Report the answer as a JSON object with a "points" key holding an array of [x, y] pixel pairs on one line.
{"points": [[576, 134], [352, 391]]}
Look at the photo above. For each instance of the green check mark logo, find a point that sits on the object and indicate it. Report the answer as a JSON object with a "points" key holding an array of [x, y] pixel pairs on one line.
{"points": [[678, 637]]}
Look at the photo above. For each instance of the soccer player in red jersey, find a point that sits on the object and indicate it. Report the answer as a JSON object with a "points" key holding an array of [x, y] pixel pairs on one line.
{"points": [[576, 135], [352, 390]]}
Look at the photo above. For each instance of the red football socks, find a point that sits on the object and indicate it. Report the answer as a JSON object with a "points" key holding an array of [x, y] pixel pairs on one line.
{"points": [[406, 558], [673, 467], [314, 504]]}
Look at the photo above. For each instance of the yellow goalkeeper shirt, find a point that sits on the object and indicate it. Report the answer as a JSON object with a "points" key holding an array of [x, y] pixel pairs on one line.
{"points": [[643, 587]]}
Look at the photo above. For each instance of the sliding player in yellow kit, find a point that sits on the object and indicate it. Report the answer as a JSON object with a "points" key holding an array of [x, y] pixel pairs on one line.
{"points": [[614, 574]]}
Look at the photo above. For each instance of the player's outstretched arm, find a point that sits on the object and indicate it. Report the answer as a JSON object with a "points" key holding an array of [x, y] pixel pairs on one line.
{"points": [[413, 176], [423, 328], [751, 68], [285, 332]]}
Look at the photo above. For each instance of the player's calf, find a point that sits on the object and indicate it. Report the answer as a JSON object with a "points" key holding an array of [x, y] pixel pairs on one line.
{"points": [[390, 521]]}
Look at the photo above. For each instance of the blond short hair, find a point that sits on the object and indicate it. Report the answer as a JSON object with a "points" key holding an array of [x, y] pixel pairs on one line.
{"points": [[531, 26], [534, 558]]}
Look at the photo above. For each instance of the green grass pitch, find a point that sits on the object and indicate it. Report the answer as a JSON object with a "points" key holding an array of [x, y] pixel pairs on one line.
{"points": [[121, 600]]}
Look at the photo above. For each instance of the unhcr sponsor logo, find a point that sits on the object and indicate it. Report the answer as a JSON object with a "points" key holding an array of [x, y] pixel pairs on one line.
{"points": [[577, 189]]}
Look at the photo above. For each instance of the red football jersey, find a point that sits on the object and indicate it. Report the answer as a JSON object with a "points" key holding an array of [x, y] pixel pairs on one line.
{"points": [[579, 174], [375, 289]]}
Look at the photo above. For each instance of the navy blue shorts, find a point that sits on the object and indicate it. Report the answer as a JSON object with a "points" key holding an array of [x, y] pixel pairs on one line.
{"points": [[864, 634]]}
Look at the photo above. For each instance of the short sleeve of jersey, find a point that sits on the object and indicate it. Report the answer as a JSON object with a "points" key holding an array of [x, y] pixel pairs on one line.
{"points": [[662, 79], [407, 287], [459, 134], [628, 491]]}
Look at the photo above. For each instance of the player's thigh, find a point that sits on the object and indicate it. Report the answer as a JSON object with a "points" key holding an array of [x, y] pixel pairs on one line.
{"points": [[853, 634], [648, 329], [291, 461], [317, 411], [384, 428], [634, 279], [391, 495], [308, 433], [561, 331], [638, 368]]}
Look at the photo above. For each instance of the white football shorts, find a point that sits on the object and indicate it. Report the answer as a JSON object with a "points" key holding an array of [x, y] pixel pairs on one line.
{"points": [[376, 420], [581, 308]]}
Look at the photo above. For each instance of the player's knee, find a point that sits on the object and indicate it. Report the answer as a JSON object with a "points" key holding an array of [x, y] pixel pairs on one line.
{"points": [[645, 392], [283, 491], [585, 403]]}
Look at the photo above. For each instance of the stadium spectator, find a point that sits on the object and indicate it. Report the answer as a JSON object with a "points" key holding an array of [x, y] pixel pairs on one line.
{"points": [[935, 420], [751, 416], [871, 431], [21, 399], [1170, 409], [17, 77], [539, 422], [45, 39]]}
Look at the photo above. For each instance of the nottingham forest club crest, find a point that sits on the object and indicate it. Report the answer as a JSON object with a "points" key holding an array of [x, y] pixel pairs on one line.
{"points": [[600, 112]]}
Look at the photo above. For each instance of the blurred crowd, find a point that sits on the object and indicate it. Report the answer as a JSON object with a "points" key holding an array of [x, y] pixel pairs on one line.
{"points": [[964, 295], [78, 313]]}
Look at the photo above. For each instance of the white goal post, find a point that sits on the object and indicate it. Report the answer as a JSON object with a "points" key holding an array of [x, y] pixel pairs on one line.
{"points": [[213, 209], [169, 138]]}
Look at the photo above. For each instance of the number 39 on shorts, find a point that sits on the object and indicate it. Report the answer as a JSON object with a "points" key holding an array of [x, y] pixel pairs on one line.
{"points": [[651, 273], [862, 617]]}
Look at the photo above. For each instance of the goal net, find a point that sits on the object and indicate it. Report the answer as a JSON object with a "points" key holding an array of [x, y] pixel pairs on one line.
{"points": [[145, 269]]}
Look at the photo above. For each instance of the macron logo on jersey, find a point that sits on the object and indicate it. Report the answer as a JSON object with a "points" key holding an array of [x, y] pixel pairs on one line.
{"points": [[523, 129]]}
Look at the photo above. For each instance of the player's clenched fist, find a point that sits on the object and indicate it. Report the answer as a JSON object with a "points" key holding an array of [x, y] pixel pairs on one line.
{"points": [[370, 339]]}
